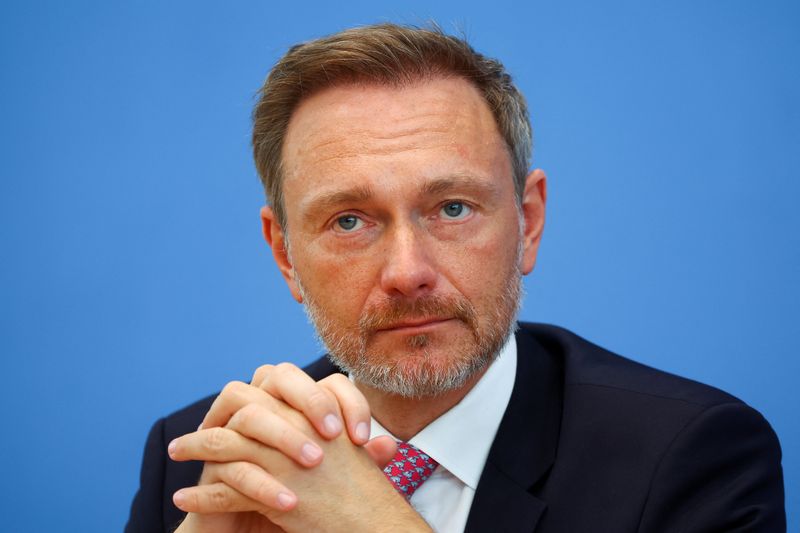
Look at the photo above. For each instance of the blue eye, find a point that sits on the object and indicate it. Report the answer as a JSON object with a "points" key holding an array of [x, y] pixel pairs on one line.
{"points": [[456, 210], [349, 222]]}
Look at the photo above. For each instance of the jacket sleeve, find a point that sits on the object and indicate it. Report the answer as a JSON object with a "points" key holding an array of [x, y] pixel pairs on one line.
{"points": [[722, 472], [146, 511]]}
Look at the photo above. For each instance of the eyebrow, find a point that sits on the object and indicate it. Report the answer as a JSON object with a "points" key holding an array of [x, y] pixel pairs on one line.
{"points": [[363, 193], [327, 201], [460, 182]]}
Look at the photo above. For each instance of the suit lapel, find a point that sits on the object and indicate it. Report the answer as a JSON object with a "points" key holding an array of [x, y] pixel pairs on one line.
{"points": [[524, 448]]}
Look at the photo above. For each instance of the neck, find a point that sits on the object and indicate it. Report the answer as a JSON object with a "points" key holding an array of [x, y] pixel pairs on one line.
{"points": [[404, 417]]}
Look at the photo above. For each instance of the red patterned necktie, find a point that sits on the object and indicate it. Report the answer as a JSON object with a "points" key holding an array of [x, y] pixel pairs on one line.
{"points": [[409, 469]]}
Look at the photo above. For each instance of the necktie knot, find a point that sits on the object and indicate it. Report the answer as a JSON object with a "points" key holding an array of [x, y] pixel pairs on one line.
{"points": [[409, 468]]}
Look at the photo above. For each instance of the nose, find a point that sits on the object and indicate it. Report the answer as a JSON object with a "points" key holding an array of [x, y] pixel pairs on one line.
{"points": [[408, 267]]}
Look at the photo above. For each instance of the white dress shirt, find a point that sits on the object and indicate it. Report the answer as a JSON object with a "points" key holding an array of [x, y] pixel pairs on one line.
{"points": [[459, 440]]}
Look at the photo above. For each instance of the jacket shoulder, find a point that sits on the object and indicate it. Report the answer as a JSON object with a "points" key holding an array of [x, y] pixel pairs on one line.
{"points": [[590, 366], [646, 450]]}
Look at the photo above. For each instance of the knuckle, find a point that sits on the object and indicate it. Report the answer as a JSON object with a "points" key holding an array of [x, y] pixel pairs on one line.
{"points": [[232, 387], [240, 474], [261, 373], [318, 400], [337, 378], [341, 387], [246, 415], [216, 440], [220, 499], [284, 369]]}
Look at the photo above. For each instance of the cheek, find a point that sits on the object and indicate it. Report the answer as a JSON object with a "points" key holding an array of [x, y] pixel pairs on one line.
{"points": [[337, 284], [480, 266]]}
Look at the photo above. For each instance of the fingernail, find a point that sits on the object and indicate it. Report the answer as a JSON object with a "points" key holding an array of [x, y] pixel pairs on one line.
{"points": [[311, 452], [332, 424], [200, 426], [285, 499], [362, 431], [172, 447], [179, 498]]}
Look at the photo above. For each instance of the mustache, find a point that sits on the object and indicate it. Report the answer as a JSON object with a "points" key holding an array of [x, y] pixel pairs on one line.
{"points": [[392, 311]]}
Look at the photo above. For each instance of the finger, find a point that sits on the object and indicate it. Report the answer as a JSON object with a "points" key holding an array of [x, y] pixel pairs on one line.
{"points": [[260, 373], [246, 479], [213, 498], [247, 442], [381, 450], [288, 383], [261, 424], [233, 397], [353, 404]]}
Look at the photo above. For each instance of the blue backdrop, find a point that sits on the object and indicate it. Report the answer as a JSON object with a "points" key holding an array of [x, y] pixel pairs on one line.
{"points": [[134, 279]]}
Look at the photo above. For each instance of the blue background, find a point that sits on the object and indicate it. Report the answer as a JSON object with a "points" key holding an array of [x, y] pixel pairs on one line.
{"points": [[134, 279]]}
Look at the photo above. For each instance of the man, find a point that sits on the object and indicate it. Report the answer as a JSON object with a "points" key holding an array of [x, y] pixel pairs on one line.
{"points": [[403, 216]]}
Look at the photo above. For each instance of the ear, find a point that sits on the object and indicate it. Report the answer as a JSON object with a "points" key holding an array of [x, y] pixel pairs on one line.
{"points": [[273, 234], [534, 198]]}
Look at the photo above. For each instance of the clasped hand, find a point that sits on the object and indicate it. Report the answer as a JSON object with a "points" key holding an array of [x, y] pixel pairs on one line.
{"points": [[277, 457]]}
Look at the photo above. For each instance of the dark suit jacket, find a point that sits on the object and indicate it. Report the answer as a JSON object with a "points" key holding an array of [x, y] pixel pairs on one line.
{"points": [[590, 442]]}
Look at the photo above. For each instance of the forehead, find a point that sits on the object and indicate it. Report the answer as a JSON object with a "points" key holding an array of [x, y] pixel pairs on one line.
{"points": [[358, 133]]}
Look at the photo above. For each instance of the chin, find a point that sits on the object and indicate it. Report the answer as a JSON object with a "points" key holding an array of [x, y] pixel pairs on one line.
{"points": [[421, 370]]}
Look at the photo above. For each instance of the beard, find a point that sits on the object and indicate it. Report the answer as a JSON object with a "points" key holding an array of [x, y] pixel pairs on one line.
{"points": [[418, 371]]}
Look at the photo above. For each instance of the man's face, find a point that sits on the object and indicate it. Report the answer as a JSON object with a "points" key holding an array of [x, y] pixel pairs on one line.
{"points": [[405, 236]]}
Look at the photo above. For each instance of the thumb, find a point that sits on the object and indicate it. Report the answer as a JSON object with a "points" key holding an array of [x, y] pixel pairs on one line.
{"points": [[381, 449]]}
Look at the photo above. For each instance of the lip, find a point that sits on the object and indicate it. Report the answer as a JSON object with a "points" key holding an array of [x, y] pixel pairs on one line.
{"points": [[415, 326]]}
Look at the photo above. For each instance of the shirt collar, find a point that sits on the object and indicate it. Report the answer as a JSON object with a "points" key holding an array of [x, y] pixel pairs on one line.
{"points": [[460, 439]]}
